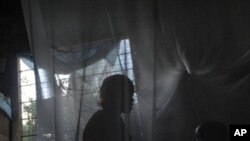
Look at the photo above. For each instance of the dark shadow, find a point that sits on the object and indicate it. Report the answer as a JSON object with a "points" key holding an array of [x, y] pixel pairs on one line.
{"points": [[211, 131]]}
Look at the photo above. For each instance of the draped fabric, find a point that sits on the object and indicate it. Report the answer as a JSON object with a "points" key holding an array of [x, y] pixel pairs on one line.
{"points": [[190, 63], [211, 42]]}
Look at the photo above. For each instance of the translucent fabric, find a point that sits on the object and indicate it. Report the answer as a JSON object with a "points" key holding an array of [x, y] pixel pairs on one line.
{"points": [[189, 62]]}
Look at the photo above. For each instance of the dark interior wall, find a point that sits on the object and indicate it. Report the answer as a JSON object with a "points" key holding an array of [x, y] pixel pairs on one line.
{"points": [[12, 42], [9, 87]]}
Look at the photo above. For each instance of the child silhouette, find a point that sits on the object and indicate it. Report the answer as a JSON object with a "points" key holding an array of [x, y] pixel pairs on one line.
{"points": [[116, 95]]}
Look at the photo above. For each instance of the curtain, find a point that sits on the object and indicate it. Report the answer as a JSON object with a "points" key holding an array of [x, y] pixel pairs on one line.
{"points": [[210, 40], [72, 57], [190, 62]]}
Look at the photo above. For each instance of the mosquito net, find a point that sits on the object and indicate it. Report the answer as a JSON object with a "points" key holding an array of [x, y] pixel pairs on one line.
{"points": [[189, 62]]}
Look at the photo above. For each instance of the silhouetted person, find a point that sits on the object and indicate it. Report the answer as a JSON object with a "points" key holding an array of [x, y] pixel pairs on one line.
{"points": [[116, 95], [211, 131]]}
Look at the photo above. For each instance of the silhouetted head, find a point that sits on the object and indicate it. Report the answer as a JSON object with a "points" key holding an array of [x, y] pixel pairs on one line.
{"points": [[211, 131], [117, 93]]}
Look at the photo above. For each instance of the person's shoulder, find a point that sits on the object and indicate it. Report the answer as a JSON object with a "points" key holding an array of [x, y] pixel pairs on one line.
{"points": [[96, 119], [94, 128], [98, 115]]}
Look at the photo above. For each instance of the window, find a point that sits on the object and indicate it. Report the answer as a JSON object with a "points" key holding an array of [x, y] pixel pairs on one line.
{"points": [[90, 78], [27, 91]]}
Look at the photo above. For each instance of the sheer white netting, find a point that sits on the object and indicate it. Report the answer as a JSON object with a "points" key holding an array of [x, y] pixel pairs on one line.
{"points": [[79, 89], [189, 62], [71, 65]]}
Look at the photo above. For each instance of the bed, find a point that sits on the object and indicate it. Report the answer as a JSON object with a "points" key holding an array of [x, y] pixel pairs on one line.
{"points": [[5, 118]]}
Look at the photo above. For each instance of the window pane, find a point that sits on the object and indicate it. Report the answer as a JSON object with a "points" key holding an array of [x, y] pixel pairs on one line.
{"points": [[25, 64], [27, 85], [29, 110], [124, 46], [27, 77], [28, 93], [46, 90], [29, 127]]}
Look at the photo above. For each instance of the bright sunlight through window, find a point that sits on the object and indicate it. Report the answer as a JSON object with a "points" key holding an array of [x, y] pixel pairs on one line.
{"points": [[27, 91]]}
